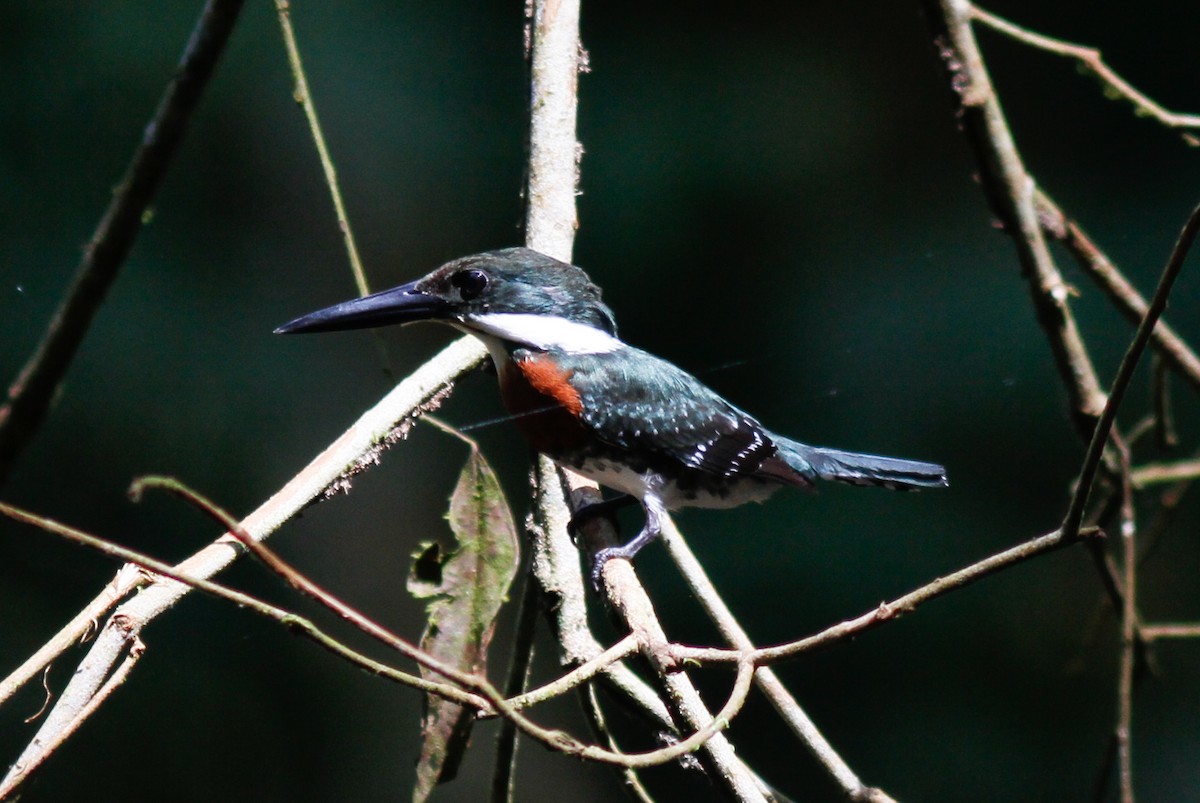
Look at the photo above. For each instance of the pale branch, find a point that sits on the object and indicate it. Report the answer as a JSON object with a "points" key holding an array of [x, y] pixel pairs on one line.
{"points": [[1090, 59], [704, 732], [354, 450], [596, 718], [554, 66], [150, 567], [301, 583], [725, 768], [75, 631], [485, 697], [29, 762], [626, 595], [577, 676], [555, 564], [1170, 631], [989, 133], [551, 221], [31, 393]]}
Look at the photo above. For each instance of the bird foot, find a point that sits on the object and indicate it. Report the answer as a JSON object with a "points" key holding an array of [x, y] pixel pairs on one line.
{"points": [[606, 508]]}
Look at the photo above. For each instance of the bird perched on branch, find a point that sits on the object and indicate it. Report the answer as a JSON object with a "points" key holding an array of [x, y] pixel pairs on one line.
{"points": [[628, 420]]}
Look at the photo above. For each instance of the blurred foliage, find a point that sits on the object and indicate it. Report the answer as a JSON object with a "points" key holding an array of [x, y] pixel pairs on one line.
{"points": [[776, 199]]}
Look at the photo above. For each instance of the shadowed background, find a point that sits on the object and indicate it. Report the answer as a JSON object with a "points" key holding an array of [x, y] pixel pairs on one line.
{"points": [[777, 201]]}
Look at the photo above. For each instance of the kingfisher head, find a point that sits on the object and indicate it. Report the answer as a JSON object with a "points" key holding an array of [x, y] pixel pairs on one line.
{"points": [[517, 296]]}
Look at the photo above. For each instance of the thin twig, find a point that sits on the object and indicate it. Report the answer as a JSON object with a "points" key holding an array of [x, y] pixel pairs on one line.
{"points": [[1158, 473], [1129, 632], [577, 676], [31, 392], [706, 731], [1090, 59], [1163, 415], [596, 718], [1170, 631], [887, 611], [301, 582], [130, 624], [292, 621], [303, 97], [1091, 462]]}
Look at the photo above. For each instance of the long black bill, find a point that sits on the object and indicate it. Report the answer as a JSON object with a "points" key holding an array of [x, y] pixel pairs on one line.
{"points": [[403, 304]]}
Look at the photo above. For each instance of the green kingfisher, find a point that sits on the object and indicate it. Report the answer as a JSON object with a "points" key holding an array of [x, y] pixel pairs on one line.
{"points": [[629, 420]]}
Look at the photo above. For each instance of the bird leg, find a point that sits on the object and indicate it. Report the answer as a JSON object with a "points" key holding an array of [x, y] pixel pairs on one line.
{"points": [[655, 512]]}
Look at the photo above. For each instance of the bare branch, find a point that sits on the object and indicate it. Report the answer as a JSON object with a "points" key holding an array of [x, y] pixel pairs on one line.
{"points": [[1158, 473], [1129, 625], [1010, 191], [887, 611], [554, 64], [30, 761], [1170, 631], [30, 394], [555, 564], [550, 228], [83, 624]]}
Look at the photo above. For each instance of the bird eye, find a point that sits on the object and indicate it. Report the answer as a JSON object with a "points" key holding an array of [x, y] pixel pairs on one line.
{"points": [[470, 283]]}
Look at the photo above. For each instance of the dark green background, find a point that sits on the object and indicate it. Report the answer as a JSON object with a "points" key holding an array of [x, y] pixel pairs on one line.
{"points": [[776, 199]]}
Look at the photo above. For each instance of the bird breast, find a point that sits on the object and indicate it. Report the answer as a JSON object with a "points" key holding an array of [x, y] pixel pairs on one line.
{"points": [[546, 408]]}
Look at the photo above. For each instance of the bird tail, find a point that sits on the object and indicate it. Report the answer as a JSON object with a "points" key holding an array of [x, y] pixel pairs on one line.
{"points": [[860, 469]]}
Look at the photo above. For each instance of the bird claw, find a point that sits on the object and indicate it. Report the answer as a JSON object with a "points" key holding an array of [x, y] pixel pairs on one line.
{"points": [[604, 556]]}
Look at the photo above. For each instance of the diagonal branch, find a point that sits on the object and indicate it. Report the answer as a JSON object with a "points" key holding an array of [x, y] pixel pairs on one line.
{"points": [[1158, 305], [31, 392], [356, 449], [1010, 191], [1128, 300]]}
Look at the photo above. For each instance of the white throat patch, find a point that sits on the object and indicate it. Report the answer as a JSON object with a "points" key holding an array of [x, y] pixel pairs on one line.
{"points": [[543, 332]]}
